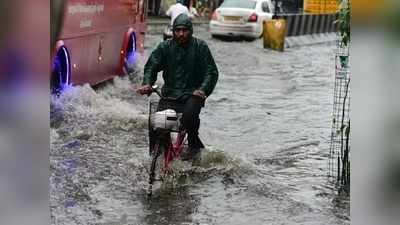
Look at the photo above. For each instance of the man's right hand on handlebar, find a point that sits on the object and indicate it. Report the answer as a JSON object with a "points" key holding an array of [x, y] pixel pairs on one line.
{"points": [[144, 90]]}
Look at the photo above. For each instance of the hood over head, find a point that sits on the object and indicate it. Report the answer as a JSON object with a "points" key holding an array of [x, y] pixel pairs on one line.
{"points": [[183, 20]]}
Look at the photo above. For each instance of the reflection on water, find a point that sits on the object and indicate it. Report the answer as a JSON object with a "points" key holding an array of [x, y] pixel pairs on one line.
{"points": [[170, 206]]}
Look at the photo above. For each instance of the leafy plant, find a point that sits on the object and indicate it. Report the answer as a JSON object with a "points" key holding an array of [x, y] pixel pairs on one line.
{"points": [[343, 21]]}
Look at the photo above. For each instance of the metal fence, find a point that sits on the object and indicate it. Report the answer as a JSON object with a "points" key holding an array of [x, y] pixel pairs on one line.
{"points": [[339, 162], [303, 24]]}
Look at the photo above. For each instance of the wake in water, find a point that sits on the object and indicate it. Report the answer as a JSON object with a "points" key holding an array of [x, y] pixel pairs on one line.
{"points": [[211, 163], [99, 153]]}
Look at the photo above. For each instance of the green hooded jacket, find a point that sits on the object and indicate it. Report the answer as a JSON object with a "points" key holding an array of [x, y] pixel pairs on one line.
{"points": [[185, 69]]}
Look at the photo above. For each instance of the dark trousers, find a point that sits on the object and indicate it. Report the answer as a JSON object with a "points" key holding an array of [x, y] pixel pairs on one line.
{"points": [[157, 7], [190, 121], [186, 3]]}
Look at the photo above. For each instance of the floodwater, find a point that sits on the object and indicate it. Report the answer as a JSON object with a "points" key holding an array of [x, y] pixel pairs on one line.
{"points": [[267, 131]]}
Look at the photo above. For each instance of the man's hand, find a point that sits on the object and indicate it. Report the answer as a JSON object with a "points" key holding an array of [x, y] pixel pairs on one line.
{"points": [[144, 90], [200, 93]]}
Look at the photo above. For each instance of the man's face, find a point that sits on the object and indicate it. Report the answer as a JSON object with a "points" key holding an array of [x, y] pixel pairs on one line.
{"points": [[181, 35]]}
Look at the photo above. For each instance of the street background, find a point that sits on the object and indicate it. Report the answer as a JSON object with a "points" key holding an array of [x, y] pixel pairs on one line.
{"points": [[266, 127]]}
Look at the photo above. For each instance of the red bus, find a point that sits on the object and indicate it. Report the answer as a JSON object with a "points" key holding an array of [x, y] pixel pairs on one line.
{"points": [[99, 39]]}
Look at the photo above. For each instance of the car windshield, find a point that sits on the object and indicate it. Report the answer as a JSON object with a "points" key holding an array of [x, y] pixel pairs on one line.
{"points": [[246, 4]]}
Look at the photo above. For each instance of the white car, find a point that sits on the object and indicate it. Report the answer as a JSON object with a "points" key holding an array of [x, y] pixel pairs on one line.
{"points": [[241, 18]]}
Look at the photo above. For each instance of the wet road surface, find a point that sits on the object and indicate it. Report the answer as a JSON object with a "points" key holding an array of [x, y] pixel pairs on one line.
{"points": [[266, 127]]}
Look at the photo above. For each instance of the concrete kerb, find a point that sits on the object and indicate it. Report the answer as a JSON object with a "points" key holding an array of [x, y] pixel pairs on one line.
{"points": [[310, 39]]}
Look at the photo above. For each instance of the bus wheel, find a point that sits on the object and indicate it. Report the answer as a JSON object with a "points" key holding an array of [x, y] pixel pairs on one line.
{"points": [[61, 71], [130, 57]]}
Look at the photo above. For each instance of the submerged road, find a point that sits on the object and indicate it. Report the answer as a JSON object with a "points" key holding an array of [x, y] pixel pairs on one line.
{"points": [[266, 127]]}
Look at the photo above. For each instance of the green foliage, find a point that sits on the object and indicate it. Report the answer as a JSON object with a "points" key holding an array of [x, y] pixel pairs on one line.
{"points": [[343, 21]]}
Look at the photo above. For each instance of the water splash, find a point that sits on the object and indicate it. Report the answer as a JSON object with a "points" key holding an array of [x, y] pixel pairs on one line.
{"points": [[211, 163]]}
